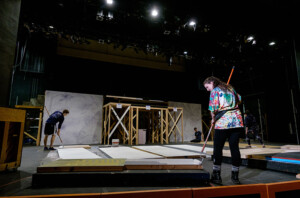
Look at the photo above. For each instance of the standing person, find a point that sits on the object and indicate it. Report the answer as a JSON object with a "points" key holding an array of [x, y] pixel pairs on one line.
{"points": [[56, 117], [198, 136], [228, 123], [251, 128]]}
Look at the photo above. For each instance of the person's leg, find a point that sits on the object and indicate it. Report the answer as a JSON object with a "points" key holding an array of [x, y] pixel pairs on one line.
{"points": [[52, 140], [259, 138], [234, 135], [248, 141], [45, 141], [219, 141]]}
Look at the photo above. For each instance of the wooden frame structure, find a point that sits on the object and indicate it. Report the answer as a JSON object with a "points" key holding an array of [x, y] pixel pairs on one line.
{"points": [[116, 115], [12, 123], [40, 108], [175, 115], [164, 122]]}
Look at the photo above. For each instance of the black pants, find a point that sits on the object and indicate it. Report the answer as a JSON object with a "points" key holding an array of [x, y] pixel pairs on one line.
{"points": [[233, 136]]}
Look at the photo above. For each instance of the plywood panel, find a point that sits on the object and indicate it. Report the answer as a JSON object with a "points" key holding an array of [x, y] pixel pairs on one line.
{"points": [[82, 165], [128, 153], [249, 153], [190, 147], [76, 153], [12, 115], [169, 152], [84, 123], [163, 164]]}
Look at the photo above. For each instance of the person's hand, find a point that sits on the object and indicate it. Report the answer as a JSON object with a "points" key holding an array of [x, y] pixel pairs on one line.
{"points": [[213, 121]]}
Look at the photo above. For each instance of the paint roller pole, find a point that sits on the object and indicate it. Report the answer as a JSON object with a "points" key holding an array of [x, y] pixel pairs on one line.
{"points": [[230, 75], [211, 127]]}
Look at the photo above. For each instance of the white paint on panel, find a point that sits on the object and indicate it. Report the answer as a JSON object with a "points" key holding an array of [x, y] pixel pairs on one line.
{"points": [[84, 123], [76, 153], [166, 151], [128, 153]]}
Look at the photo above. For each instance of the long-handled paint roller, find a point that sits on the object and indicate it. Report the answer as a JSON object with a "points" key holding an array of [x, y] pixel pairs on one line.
{"points": [[57, 134], [212, 124]]}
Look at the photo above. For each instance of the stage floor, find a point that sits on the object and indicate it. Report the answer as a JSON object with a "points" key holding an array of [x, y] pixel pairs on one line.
{"points": [[20, 182]]}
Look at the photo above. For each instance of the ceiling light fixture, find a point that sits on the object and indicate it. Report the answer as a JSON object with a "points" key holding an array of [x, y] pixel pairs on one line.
{"points": [[154, 13]]}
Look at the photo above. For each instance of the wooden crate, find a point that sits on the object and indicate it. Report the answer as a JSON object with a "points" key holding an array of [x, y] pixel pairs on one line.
{"points": [[11, 137]]}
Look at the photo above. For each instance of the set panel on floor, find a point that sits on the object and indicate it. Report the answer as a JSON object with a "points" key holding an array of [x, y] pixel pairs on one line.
{"points": [[76, 153], [190, 148], [128, 153], [168, 152]]}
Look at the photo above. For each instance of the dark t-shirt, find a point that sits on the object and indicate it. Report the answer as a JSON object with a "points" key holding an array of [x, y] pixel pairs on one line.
{"points": [[55, 117], [198, 135], [250, 122]]}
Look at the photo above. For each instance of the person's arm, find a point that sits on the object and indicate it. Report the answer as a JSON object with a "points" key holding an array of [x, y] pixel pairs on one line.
{"points": [[212, 114], [246, 130], [59, 125]]}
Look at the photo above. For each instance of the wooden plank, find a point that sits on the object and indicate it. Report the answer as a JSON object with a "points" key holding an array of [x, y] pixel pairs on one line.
{"points": [[173, 193], [4, 143], [252, 152], [30, 136], [80, 195], [82, 165], [28, 107], [39, 130], [12, 115], [163, 164], [79, 169], [5, 166], [272, 188], [227, 191], [163, 167]]}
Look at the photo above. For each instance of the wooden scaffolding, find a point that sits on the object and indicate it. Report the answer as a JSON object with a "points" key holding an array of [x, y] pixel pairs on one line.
{"points": [[124, 118]]}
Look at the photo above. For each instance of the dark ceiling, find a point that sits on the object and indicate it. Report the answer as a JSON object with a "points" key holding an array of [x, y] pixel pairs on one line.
{"points": [[220, 33]]}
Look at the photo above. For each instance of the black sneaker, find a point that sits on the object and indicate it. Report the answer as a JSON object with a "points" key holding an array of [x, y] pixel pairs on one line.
{"points": [[51, 148], [46, 148], [216, 177], [235, 177]]}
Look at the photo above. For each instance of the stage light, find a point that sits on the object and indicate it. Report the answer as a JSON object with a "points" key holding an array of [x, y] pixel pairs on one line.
{"points": [[51, 27], [185, 52], [192, 23], [110, 15], [250, 38], [154, 13], [109, 2], [254, 42], [272, 43]]}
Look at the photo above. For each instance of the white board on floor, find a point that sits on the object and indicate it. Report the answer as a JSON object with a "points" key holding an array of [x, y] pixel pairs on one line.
{"points": [[76, 153], [128, 153], [167, 151], [190, 147]]}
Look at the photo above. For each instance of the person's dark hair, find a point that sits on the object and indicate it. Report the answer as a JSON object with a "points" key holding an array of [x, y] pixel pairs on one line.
{"points": [[247, 112], [66, 111], [217, 83], [195, 128]]}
